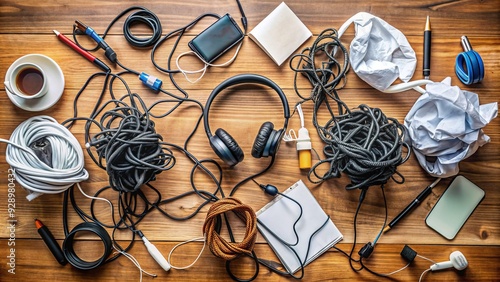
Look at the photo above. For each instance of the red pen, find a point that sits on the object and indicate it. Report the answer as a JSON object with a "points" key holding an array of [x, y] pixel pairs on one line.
{"points": [[82, 52]]}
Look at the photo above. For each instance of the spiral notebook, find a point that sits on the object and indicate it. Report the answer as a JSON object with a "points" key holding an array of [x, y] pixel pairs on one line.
{"points": [[279, 216]]}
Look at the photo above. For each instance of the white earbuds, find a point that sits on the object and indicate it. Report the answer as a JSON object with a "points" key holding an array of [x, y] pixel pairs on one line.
{"points": [[457, 260]]}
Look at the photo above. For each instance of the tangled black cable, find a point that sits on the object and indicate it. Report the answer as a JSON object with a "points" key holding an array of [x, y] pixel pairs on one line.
{"points": [[365, 145], [362, 143], [128, 146]]}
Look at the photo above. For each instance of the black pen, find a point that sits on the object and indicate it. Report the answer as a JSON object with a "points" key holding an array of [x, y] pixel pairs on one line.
{"points": [[413, 204], [50, 241], [427, 49]]}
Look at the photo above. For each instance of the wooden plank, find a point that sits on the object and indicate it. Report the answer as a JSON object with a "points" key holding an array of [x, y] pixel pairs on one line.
{"points": [[449, 17], [330, 266]]}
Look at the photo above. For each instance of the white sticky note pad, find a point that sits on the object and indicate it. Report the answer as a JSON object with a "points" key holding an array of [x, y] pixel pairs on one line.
{"points": [[280, 33]]}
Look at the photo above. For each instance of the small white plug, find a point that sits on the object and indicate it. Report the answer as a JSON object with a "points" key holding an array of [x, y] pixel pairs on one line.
{"points": [[155, 253]]}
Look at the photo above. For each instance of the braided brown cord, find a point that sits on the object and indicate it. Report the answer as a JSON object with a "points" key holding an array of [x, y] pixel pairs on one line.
{"points": [[218, 245]]}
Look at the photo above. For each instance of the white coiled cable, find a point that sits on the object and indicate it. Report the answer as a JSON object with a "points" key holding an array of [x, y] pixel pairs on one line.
{"points": [[33, 174]]}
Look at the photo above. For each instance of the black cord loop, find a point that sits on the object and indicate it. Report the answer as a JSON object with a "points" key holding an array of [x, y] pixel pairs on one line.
{"points": [[148, 18], [70, 253]]}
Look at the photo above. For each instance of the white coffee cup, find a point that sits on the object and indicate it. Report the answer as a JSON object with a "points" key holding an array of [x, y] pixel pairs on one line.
{"points": [[27, 81]]}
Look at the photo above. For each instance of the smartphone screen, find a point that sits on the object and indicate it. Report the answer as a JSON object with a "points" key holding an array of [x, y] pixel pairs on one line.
{"points": [[454, 207]]}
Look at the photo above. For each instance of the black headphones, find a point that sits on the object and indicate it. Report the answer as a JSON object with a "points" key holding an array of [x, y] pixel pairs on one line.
{"points": [[267, 140]]}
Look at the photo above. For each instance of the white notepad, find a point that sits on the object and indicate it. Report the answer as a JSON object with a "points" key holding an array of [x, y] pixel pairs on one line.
{"points": [[280, 33], [279, 216]]}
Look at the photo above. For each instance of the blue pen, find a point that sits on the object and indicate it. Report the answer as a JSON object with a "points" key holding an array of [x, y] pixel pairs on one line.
{"points": [[110, 54]]}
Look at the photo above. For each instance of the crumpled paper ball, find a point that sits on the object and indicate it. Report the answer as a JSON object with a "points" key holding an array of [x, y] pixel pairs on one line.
{"points": [[379, 53], [445, 126]]}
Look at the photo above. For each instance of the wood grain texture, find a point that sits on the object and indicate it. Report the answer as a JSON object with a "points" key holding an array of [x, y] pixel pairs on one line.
{"points": [[26, 27]]}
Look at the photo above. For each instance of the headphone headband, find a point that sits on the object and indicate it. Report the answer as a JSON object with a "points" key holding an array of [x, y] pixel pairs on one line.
{"points": [[241, 79]]}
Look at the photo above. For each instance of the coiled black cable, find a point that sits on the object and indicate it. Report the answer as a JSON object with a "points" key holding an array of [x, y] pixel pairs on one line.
{"points": [[70, 253], [143, 15], [146, 17]]}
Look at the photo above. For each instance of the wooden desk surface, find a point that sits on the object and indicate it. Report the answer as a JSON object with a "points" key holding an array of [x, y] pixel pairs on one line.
{"points": [[26, 27]]}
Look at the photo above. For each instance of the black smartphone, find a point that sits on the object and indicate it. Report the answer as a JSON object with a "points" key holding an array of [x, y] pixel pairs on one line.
{"points": [[216, 39]]}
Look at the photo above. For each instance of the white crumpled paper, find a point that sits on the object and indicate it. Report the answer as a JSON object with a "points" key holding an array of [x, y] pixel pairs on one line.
{"points": [[379, 53], [445, 124]]}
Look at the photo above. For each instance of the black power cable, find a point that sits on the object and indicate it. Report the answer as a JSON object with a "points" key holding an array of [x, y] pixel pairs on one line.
{"points": [[146, 17]]}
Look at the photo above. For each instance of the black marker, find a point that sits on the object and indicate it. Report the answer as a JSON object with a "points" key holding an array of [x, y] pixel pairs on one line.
{"points": [[413, 204], [50, 241]]}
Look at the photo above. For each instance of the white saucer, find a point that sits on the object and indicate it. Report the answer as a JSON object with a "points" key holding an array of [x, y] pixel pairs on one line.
{"points": [[55, 83]]}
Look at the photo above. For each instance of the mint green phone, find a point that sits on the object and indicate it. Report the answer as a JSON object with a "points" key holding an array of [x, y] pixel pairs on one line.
{"points": [[454, 207]]}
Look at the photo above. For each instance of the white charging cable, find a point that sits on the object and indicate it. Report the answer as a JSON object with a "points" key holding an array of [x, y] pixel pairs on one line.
{"points": [[200, 239], [32, 173], [415, 85], [205, 64]]}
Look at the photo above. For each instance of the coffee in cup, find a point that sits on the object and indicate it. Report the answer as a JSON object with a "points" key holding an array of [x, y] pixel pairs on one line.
{"points": [[27, 81]]}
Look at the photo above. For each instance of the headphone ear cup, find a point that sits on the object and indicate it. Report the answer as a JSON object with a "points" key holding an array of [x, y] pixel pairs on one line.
{"points": [[230, 146], [261, 140]]}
